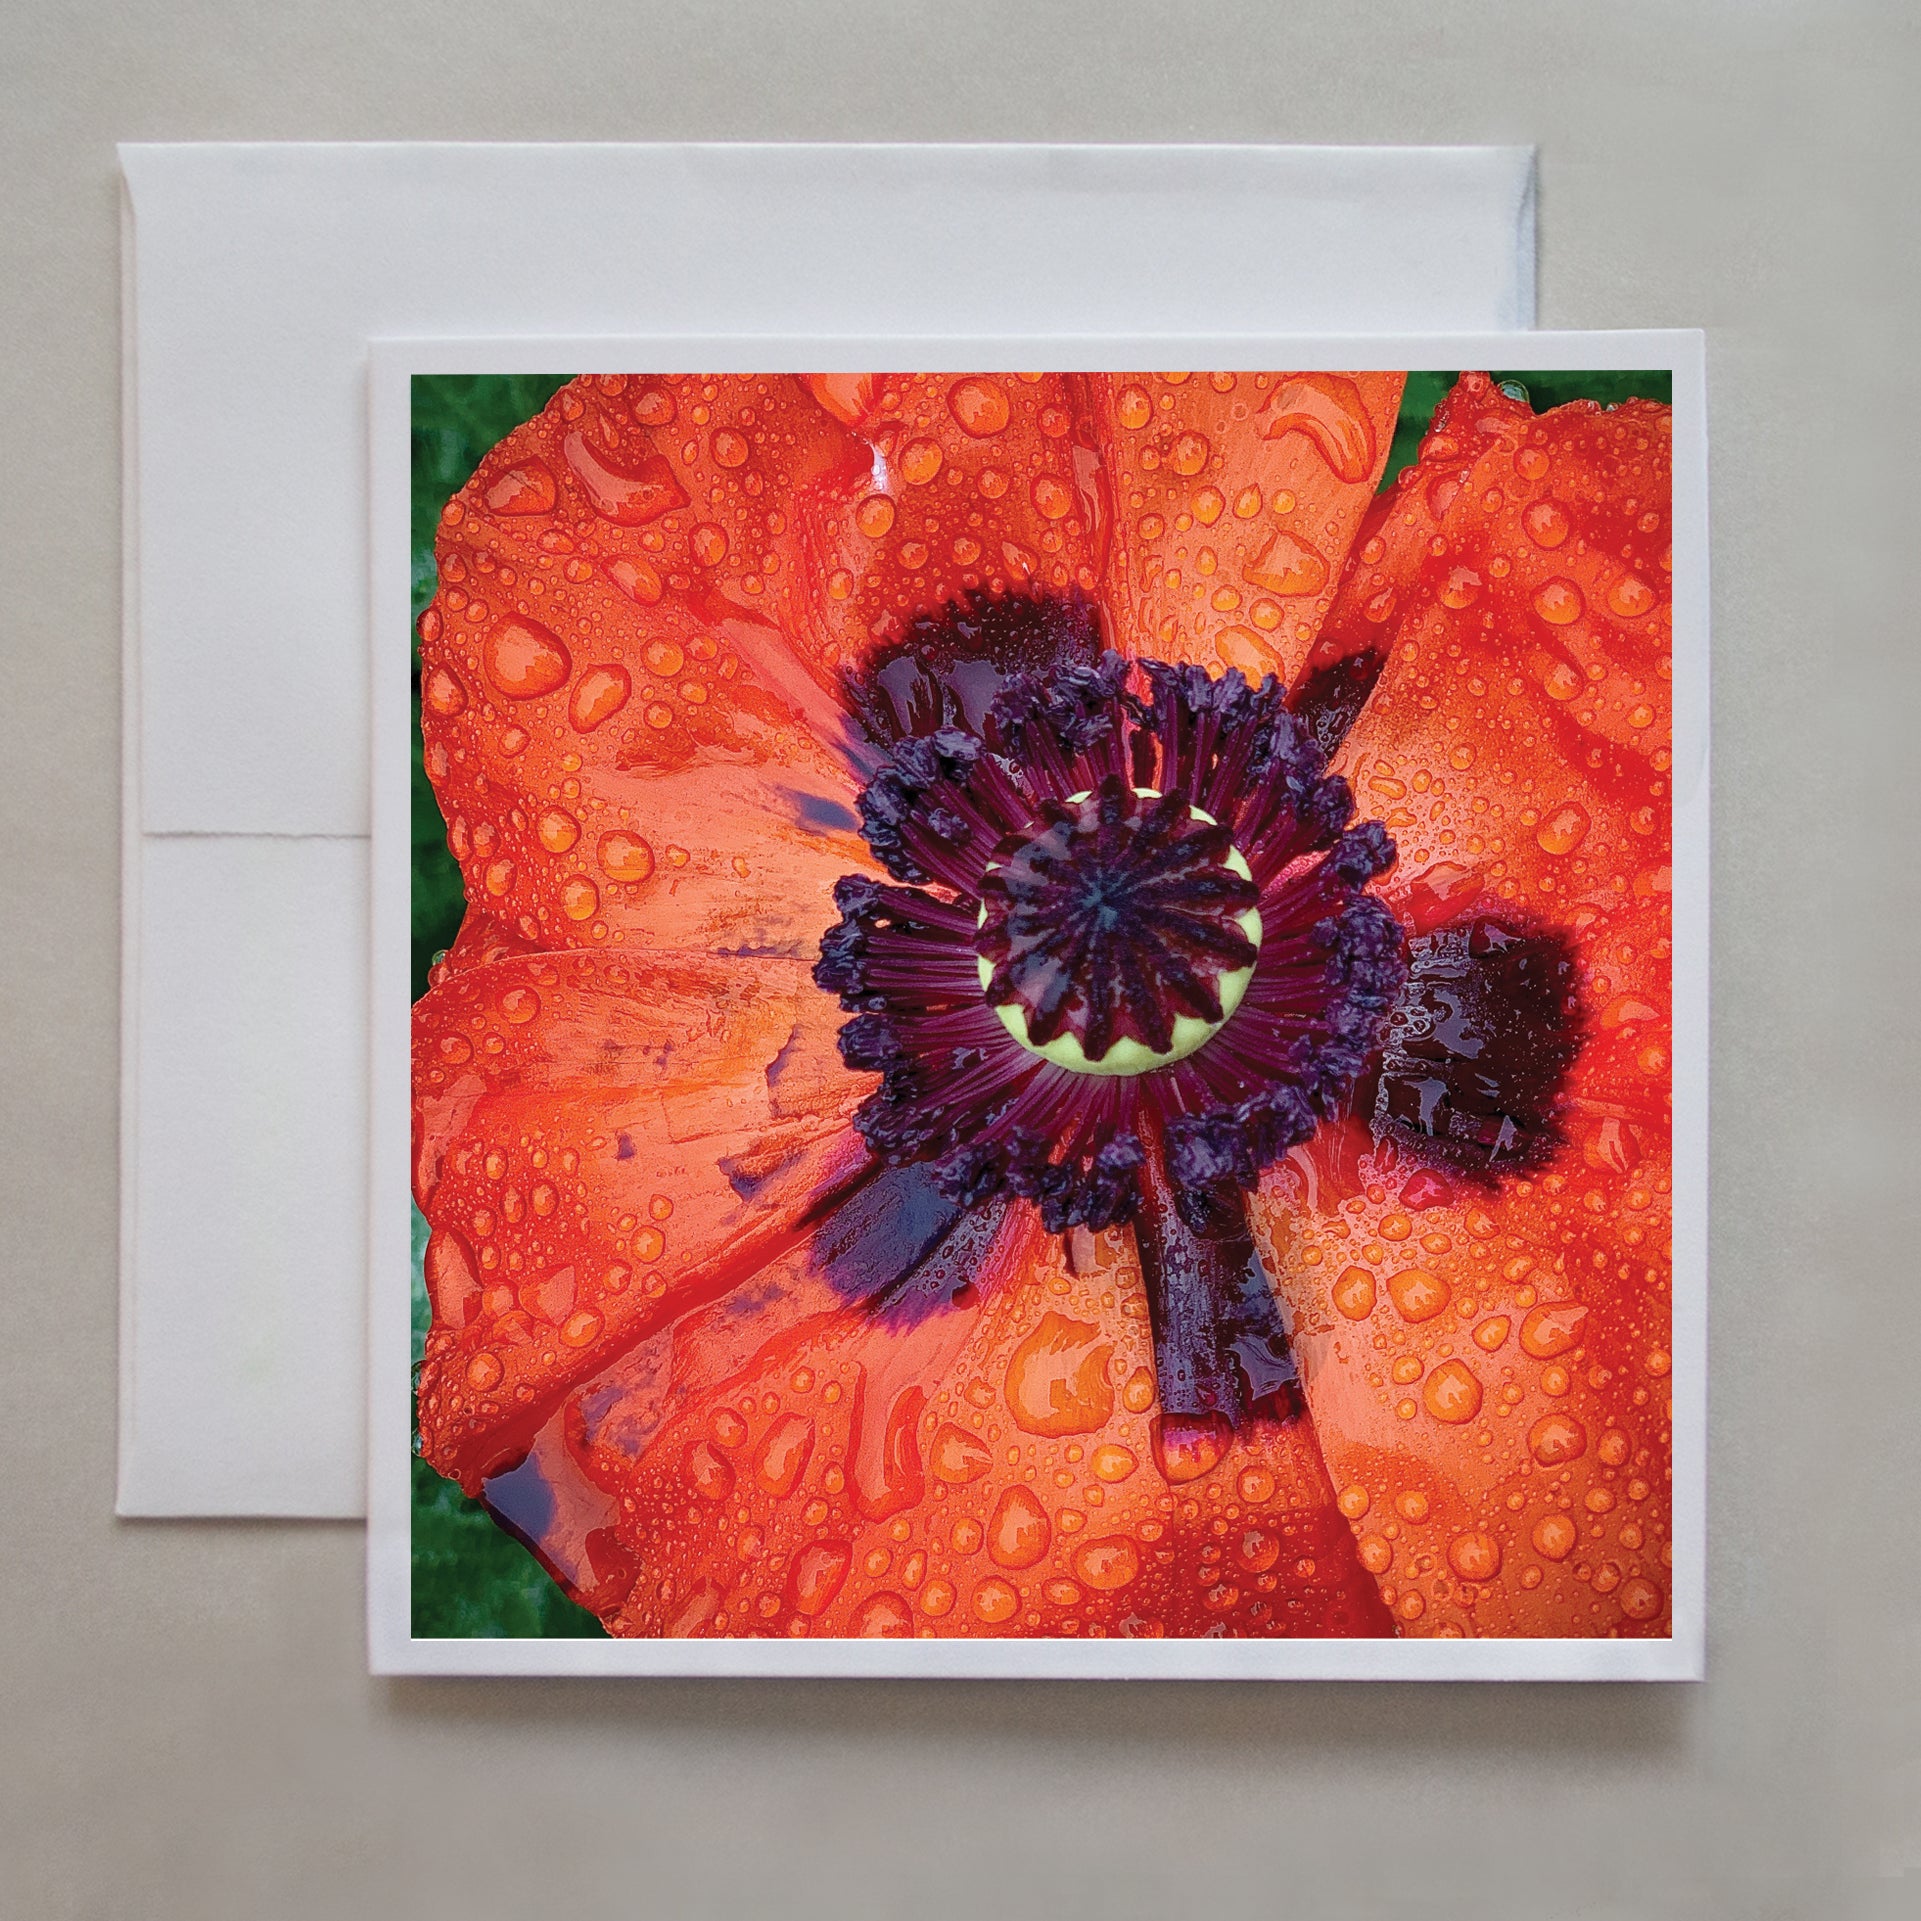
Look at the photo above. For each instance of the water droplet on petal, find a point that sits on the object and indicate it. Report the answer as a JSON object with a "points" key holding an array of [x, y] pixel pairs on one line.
{"points": [[1554, 1537], [1546, 523], [1186, 1446], [1053, 498], [629, 493], [636, 579], [1018, 1531], [1329, 410], [557, 829], [1057, 1378], [1354, 1293], [784, 1453], [1556, 1439], [1417, 1295], [979, 405], [1452, 1393], [1640, 1599], [1475, 1555], [443, 694], [874, 516], [996, 1600], [819, 1569], [1564, 829], [1559, 602], [599, 694], [527, 488], [920, 461], [1552, 1328], [1190, 454], [1108, 1563], [519, 1005], [956, 1457], [1630, 597], [625, 857], [523, 659], [882, 1617]]}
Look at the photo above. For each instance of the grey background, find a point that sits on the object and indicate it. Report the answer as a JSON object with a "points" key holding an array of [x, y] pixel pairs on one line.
{"points": [[186, 1726]]}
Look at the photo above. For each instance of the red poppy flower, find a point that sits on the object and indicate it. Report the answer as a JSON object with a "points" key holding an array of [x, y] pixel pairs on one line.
{"points": [[1061, 1027]]}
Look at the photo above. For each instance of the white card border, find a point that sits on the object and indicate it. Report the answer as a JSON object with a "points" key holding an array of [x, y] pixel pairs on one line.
{"points": [[391, 1646]]}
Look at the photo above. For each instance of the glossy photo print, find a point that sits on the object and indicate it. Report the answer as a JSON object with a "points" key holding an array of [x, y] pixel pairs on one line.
{"points": [[1043, 1012]]}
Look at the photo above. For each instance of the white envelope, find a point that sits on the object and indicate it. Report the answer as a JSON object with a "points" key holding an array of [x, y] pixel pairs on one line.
{"points": [[254, 277]]}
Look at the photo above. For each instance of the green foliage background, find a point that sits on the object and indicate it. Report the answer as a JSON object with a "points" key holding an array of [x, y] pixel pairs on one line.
{"points": [[469, 1578]]}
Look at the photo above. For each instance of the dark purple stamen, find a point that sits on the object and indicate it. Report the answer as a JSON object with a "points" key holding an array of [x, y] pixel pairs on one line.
{"points": [[1147, 926], [945, 668], [1479, 1047], [1329, 698], [1114, 919], [1220, 1346]]}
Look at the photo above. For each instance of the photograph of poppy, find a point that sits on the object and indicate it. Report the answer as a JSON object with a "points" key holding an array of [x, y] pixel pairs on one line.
{"points": [[1043, 1008]]}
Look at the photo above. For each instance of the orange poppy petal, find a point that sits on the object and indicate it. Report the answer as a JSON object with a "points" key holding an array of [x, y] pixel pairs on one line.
{"points": [[1489, 1378], [1488, 1369], [625, 745], [1235, 500], [600, 1143], [975, 1456], [975, 484], [481, 939]]}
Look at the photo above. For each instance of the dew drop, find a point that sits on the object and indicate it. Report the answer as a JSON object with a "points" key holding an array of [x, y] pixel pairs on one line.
{"points": [[1109, 1562], [1564, 829], [523, 659], [1190, 454], [1452, 1393], [979, 405], [1056, 1380], [1286, 564], [1354, 1293], [599, 694], [1556, 1439], [882, 1617], [557, 829], [874, 516], [1475, 1555], [527, 488], [819, 1569], [1018, 1531], [625, 857], [996, 1600], [1559, 602], [1554, 1537], [1552, 1328], [1546, 524], [1053, 498], [1417, 1295], [628, 494], [443, 694], [784, 1453], [920, 461], [1630, 597], [956, 1457]]}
